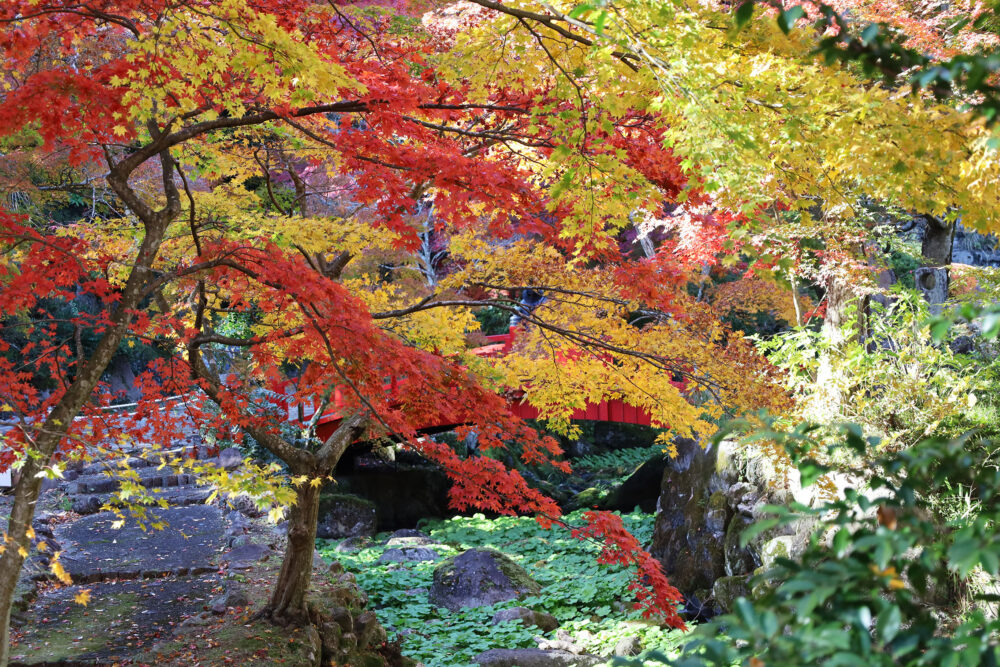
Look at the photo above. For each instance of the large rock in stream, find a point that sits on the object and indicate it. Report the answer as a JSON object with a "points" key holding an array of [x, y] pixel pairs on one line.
{"points": [[479, 577], [706, 501], [689, 537]]}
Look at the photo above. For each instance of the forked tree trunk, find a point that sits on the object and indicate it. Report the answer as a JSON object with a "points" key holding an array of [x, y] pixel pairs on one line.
{"points": [[57, 423], [288, 600], [51, 432]]}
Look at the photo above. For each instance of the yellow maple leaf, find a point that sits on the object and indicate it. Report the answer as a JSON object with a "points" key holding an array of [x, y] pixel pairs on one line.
{"points": [[83, 597], [22, 552], [60, 572], [30, 533], [895, 582]]}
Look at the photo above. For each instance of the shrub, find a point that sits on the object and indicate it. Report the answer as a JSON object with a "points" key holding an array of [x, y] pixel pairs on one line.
{"points": [[880, 573]]}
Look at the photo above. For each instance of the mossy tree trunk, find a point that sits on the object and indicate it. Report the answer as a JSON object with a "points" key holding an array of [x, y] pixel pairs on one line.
{"points": [[50, 432], [288, 600]]}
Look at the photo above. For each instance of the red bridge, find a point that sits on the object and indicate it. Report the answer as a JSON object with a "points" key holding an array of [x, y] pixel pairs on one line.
{"points": [[613, 410]]}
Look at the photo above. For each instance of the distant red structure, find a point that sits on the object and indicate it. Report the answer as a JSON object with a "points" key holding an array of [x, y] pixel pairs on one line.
{"points": [[614, 410]]}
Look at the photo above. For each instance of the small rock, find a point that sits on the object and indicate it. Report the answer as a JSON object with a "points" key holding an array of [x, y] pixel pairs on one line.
{"points": [[245, 505], [533, 657], [563, 642], [407, 555], [203, 618], [778, 547], [86, 505], [342, 617], [348, 642], [238, 540], [529, 617], [230, 458], [408, 537], [353, 544], [243, 558], [330, 634], [369, 631], [235, 598], [628, 646], [408, 532], [963, 345]]}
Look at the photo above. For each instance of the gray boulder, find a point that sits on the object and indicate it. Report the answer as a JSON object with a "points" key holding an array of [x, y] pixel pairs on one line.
{"points": [[408, 537], [342, 515], [533, 657], [86, 505], [689, 535], [230, 458], [479, 577], [243, 557], [408, 555], [628, 646], [727, 590]]}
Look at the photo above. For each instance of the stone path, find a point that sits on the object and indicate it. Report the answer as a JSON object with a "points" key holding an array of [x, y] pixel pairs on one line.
{"points": [[142, 584], [94, 551], [132, 616]]}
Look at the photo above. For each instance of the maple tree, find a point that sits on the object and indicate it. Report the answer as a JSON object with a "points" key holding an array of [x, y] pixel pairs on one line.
{"points": [[311, 94], [269, 160]]}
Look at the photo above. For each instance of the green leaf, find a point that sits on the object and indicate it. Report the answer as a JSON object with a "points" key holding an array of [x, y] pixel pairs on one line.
{"points": [[743, 14], [939, 327], [887, 626], [869, 34], [788, 17], [810, 471]]}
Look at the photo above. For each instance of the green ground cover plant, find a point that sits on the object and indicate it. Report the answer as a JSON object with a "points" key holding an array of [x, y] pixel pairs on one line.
{"points": [[589, 600]]}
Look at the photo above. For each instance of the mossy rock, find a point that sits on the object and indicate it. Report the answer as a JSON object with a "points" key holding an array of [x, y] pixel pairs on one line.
{"points": [[343, 515], [775, 548], [479, 577], [727, 590], [589, 498], [739, 560], [761, 586]]}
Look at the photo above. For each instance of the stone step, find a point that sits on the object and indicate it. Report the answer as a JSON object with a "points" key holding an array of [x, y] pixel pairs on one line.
{"points": [[95, 550], [149, 477], [181, 496]]}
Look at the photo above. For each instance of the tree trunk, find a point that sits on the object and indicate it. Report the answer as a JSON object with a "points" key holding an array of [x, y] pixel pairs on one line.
{"points": [[288, 601], [843, 323], [939, 239], [938, 242], [57, 423]]}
